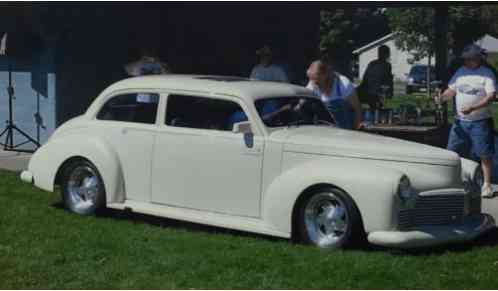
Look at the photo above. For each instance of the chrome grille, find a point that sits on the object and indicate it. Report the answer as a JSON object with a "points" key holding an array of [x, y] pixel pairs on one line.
{"points": [[433, 210]]}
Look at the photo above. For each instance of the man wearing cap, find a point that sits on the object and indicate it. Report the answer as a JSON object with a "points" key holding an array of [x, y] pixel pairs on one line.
{"points": [[266, 70], [472, 133]]}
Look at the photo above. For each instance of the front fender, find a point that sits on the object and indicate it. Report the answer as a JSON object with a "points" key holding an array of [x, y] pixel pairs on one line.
{"points": [[47, 160], [371, 187], [469, 169]]}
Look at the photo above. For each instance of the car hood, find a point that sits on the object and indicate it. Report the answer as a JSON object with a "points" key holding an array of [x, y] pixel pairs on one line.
{"points": [[324, 140]]}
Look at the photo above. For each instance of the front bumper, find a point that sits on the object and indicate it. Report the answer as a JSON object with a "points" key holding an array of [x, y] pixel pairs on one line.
{"points": [[422, 236], [27, 177]]}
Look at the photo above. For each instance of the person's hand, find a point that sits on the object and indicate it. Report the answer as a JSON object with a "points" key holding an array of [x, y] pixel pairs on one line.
{"points": [[438, 99], [467, 110]]}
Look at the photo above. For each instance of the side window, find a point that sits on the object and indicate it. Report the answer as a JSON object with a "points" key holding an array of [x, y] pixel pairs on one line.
{"points": [[135, 107], [203, 113]]}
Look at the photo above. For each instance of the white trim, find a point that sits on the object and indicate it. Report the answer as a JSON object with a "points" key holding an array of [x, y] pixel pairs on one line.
{"points": [[374, 43]]}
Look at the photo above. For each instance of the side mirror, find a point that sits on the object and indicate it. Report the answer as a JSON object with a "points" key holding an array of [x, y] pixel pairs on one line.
{"points": [[242, 127]]}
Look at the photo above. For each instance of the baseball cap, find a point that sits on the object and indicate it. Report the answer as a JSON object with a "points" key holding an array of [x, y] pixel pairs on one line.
{"points": [[472, 51]]}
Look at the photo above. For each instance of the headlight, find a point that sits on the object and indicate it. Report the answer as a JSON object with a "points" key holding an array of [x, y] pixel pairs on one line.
{"points": [[405, 190], [411, 80], [478, 178]]}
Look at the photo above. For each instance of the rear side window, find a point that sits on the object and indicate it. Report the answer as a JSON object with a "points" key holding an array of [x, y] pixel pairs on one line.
{"points": [[135, 107], [203, 113]]}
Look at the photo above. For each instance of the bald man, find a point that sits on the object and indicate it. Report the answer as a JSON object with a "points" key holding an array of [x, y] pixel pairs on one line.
{"points": [[337, 93]]}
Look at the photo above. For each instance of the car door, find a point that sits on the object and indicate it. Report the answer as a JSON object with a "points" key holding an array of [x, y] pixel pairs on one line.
{"points": [[128, 120], [199, 163]]}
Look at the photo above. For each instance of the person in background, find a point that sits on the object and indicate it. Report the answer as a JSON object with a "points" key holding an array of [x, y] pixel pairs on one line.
{"points": [[3, 44], [378, 76], [266, 70], [337, 92], [474, 87], [148, 64]]}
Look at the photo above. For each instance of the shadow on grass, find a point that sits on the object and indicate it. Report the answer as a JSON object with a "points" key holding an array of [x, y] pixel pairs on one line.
{"points": [[162, 222], [489, 239]]}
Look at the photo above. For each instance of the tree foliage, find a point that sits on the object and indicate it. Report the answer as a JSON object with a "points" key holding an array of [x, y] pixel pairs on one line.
{"points": [[415, 29], [350, 27]]}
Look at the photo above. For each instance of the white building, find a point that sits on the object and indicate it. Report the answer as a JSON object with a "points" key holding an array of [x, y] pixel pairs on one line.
{"points": [[400, 60]]}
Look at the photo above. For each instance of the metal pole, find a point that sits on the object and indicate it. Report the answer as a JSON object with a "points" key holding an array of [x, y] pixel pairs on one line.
{"points": [[441, 42], [10, 91]]}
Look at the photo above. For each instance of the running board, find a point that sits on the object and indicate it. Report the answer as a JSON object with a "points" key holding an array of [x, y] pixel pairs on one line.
{"points": [[197, 216]]}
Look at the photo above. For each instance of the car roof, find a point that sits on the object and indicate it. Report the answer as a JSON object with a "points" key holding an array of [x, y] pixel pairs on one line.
{"points": [[201, 84]]}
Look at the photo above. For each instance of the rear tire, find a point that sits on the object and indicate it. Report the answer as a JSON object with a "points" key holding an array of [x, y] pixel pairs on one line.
{"points": [[83, 189], [328, 218]]}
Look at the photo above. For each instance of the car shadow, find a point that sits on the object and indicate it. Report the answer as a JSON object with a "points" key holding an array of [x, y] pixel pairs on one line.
{"points": [[163, 222], [488, 239]]}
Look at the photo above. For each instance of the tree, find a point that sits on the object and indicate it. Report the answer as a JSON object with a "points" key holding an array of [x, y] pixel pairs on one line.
{"points": [[415, 31], [342, 30]]}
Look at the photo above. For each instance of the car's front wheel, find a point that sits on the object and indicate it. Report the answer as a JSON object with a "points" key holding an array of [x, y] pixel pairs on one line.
{"points": [[328, 218], [82, 188]]}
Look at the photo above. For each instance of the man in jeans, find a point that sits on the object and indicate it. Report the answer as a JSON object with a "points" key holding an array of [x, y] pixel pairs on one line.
{"points": [[473, 87]]}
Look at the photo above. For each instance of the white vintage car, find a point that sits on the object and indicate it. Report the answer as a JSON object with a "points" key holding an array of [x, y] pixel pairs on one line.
{"points": [[256, 156]]}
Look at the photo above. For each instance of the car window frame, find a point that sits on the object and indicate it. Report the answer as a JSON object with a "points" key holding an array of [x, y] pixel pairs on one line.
{"points": [[103, 101], [162, 123]]}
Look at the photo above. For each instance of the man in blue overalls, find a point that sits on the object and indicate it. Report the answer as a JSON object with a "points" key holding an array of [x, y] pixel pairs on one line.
{"points": [[338, 94]]}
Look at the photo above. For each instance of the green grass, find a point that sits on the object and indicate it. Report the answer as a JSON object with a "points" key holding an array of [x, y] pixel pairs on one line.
{"points": [[44, 246]]}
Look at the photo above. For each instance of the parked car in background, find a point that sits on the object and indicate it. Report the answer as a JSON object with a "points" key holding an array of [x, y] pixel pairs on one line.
{"points": [[256, 156], [416, 80]]}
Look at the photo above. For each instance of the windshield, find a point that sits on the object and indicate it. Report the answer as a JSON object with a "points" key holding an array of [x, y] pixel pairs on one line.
{"points": [[288, 111]]}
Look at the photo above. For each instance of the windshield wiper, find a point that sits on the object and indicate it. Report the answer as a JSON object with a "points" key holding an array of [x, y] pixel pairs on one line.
{"points": [[296, 123], [324, 122]]}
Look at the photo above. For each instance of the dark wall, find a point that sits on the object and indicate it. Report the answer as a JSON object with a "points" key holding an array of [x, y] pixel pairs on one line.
{"points": [[93, 41]]}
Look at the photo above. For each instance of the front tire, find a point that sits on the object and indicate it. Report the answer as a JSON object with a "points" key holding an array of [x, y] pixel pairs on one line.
{"points": [[82, 188], [328, 218]]}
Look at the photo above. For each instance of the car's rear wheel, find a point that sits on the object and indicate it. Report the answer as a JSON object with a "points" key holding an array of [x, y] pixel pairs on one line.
{"points": [[328, 218], [82, 188]]}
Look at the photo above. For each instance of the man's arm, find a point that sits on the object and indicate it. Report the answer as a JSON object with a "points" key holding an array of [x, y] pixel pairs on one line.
{"points": [[483, 103], [355, 103], [446, 96], [490, 89]]}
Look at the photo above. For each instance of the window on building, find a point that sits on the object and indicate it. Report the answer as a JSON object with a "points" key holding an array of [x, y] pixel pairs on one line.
{"points": [[135, 107], [203, 113]]}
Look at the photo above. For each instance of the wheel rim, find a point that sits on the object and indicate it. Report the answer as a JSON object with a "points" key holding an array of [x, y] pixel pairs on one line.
{"points": [[326, 219], [83, 188]]}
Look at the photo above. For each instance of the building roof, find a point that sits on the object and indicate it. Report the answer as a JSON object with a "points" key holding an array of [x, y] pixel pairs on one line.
{"points": [[487, 42], [204, 84], [374, 43]]}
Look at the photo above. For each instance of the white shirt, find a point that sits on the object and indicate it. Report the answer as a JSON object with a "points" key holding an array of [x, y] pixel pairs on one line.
{"points": [[269, 73], [342, 88], [471, 87]]}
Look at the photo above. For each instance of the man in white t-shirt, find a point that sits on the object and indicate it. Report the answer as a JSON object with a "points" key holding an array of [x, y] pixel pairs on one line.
{"points": [[266, 70], [472, 133]]}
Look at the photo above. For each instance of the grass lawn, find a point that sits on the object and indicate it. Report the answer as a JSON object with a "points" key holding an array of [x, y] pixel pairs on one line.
{"points": [[44, 246]]}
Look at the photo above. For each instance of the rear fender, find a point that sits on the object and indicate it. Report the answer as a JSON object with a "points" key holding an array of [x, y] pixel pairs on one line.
{"points": [[48, 160]]}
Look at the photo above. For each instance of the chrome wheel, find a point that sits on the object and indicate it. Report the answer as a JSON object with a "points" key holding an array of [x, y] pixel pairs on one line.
{"points": [[83, 189], [326, 220]]}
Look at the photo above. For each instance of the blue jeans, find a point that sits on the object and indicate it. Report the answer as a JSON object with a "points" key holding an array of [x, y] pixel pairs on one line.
{"points": [[343, 113], [473, 139]]}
